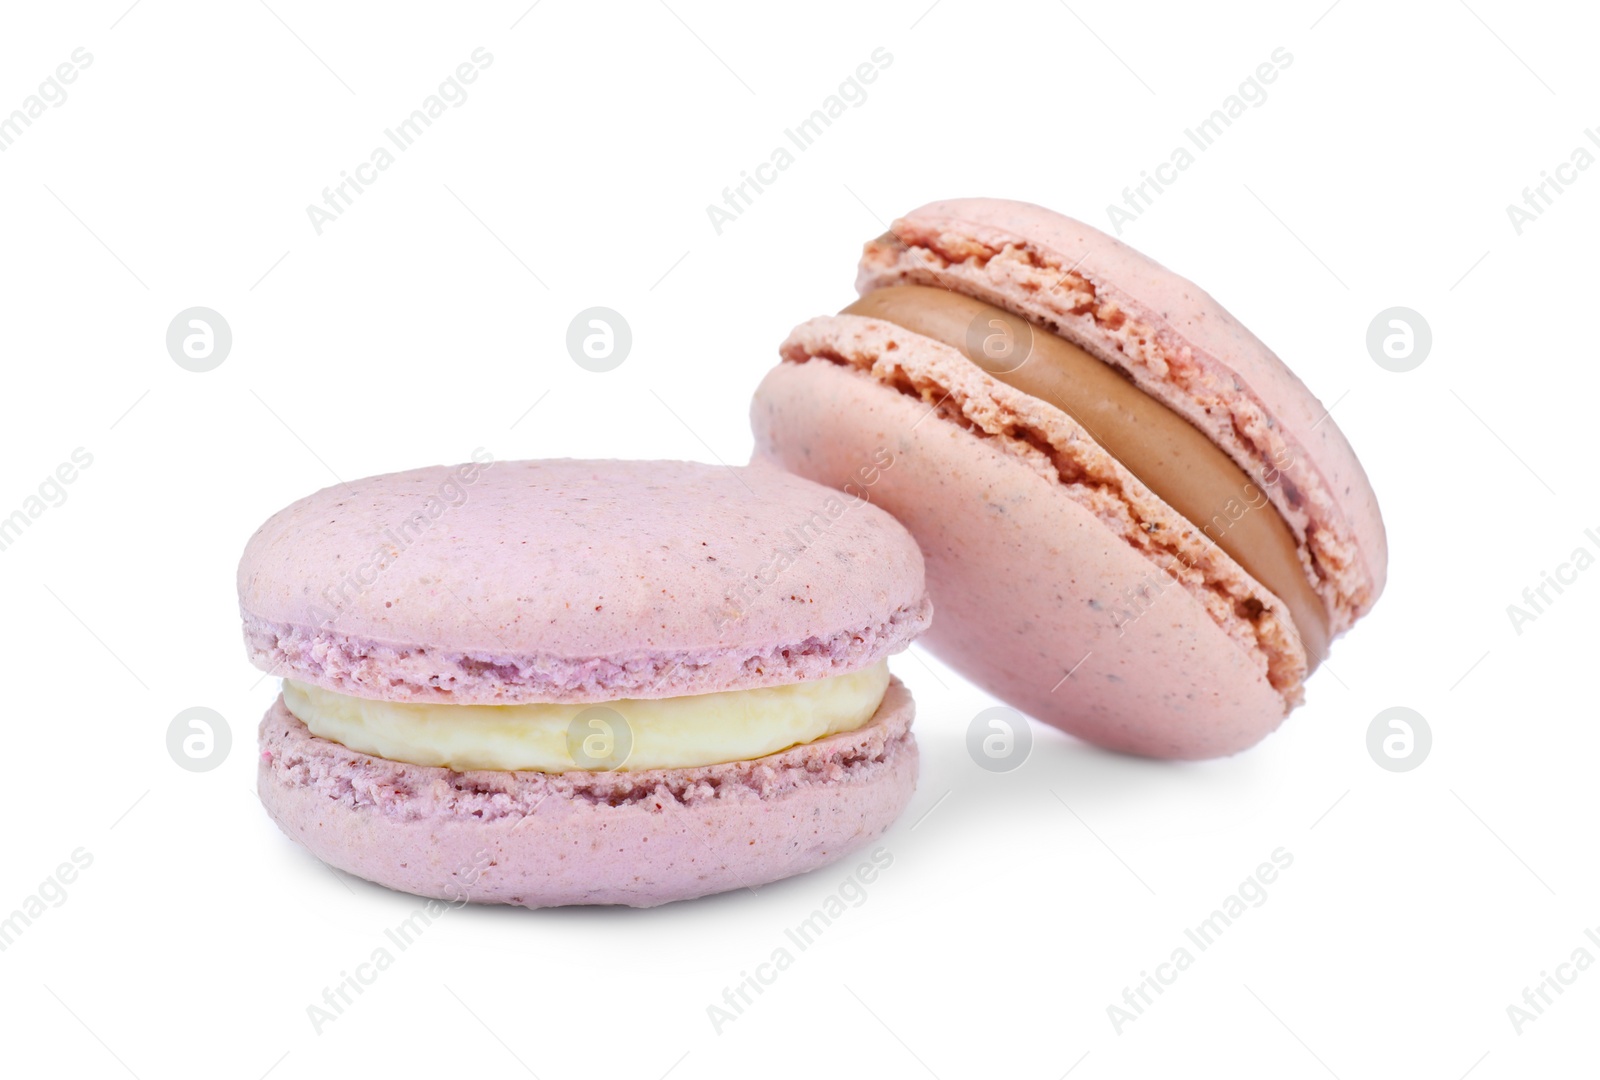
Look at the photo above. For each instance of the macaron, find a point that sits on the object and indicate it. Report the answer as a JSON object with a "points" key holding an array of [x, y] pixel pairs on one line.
{"points": [[1140, 526], [583, 682]]}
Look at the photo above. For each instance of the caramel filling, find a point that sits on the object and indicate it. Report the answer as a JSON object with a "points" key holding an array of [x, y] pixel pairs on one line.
{"points": [[1169, 455]]}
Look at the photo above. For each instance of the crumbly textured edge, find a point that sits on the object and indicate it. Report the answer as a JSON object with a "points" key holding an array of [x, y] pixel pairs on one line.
{"points": [[291, 756], [400, 672], [1009, 272], [1056, 447]]}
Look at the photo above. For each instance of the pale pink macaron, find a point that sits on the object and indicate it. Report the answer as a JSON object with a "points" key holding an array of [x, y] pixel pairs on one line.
{"points": [[581, 582], [1066, 585]]}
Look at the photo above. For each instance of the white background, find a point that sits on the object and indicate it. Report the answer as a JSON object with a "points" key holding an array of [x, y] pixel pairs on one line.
{"points": [[431, 317]]}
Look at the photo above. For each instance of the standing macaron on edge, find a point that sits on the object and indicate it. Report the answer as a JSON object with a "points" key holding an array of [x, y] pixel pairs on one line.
{"points": [[1066, 585]]}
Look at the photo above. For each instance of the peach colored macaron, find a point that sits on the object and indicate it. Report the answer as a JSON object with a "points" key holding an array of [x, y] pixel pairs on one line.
{"points": [[583, 682], [1139, 525]]}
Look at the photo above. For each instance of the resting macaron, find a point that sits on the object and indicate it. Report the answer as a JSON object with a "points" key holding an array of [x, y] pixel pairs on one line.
{"points": [[1140, 526], [583, 682]]}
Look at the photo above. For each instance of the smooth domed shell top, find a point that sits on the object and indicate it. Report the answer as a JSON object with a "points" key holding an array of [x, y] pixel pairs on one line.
{"points": [[575, 580]]}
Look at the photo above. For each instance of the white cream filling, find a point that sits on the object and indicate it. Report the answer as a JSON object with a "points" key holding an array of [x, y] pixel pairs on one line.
{"points": [[629, 734]]}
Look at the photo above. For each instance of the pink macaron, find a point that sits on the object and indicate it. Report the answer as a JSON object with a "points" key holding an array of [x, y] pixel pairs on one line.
{"points": [[584, 682], [1139, 525]]}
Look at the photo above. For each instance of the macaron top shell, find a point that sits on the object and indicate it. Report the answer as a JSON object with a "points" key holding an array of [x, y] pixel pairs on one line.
{"points": [[572, 580], [1179, 345]]}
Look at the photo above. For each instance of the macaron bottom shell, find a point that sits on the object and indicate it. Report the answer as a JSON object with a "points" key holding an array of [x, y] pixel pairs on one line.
{"points": [[552, 839]]}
